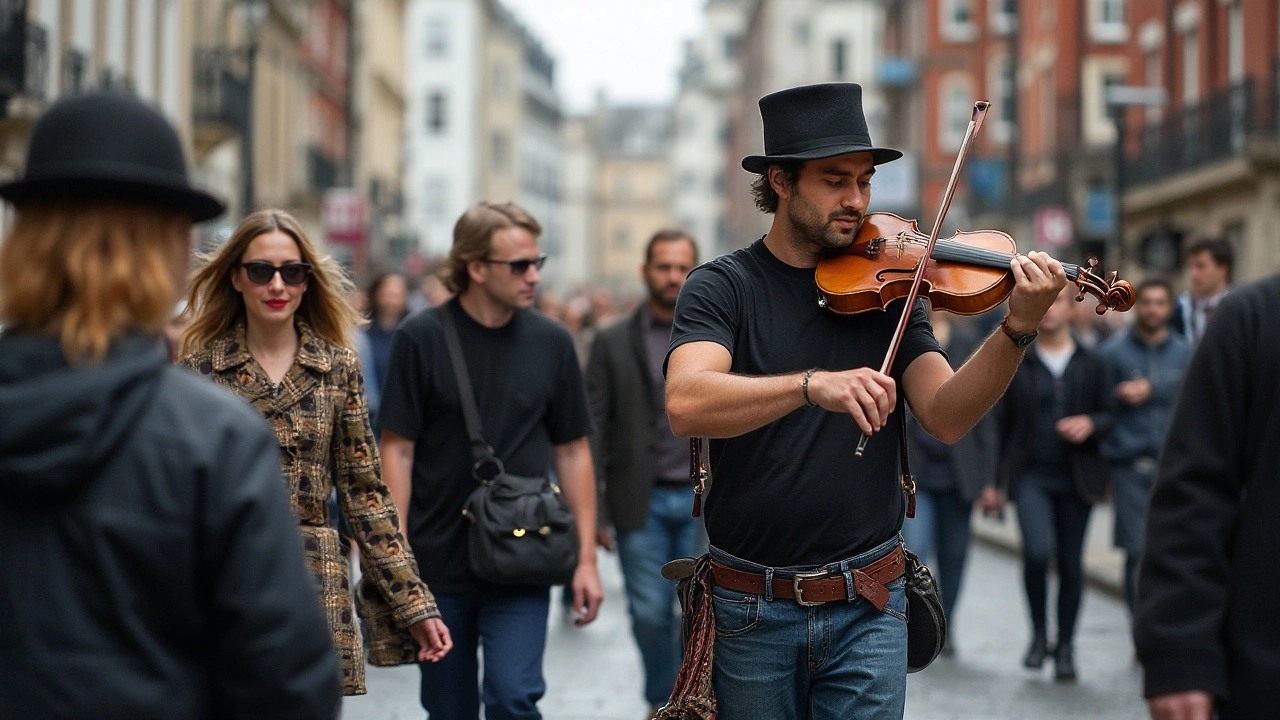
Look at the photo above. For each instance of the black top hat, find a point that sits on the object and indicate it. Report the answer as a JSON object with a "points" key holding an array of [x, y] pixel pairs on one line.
{"points": [[814, 122], [108, 145]]}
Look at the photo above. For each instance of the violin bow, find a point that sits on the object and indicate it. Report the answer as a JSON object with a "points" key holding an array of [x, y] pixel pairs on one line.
{"points": [[975, 122]]}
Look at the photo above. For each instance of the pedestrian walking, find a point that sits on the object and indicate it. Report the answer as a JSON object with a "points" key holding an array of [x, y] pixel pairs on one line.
{"points": [[1210, 264], [150, 566], [389, 305], [1209, 583], [1144, 365], [642, 468], [1051, 420], [271, 323], [783, 387], [950, 479], [533, 409]]}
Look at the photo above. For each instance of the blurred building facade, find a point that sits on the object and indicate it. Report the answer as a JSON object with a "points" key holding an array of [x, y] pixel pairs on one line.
{"points": [[484, 120], [709, 77], [786, 43], [52, 48]]}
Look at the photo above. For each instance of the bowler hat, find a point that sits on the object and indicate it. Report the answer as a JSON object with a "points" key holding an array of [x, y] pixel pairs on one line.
{"points": [[813, 122], [108, 145]]}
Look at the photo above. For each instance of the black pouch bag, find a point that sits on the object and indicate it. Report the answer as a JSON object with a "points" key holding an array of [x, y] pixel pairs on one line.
{"points": [[522, 531], [926, 621]]}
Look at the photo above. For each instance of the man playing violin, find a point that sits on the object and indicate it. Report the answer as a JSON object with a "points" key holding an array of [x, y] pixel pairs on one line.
{"points": [[784, 388]]}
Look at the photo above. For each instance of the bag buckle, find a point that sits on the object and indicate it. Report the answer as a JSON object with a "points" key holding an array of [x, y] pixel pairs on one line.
{"points": [[799, 591], [486, 470]]}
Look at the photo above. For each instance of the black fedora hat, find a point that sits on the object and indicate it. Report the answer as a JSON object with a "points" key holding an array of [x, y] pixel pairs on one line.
{"points": [[108, 145], [814, 122]]}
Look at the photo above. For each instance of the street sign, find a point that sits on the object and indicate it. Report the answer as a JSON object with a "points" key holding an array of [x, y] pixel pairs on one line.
{"points": [[1053, 227], [343, 216]]}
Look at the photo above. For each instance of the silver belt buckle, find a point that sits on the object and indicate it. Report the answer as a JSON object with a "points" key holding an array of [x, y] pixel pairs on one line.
{"points": [[795, 586]]}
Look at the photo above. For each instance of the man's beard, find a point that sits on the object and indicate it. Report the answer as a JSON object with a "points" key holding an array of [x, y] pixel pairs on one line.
{"points": [[808, 224], [657, 295]]}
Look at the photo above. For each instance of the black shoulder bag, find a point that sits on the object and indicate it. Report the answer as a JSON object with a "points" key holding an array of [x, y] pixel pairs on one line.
{"points": [[522, 531], [926, 621]]}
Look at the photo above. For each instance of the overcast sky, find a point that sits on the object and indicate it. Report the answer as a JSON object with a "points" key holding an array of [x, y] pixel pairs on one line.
{"points": [[632, 49]]}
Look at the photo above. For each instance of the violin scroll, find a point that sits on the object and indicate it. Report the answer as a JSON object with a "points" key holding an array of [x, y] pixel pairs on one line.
{"points": [[1111, 292]]}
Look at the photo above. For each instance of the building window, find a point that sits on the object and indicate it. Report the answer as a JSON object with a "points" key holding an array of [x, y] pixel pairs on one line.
{"points": [[435, 201], [1000, 81], [801, 32], [731, 43], [1004, 16], [839, 50], [1152, 62], [1048, 108], [957, 21], [1235, 43], [1109, 80], [437, 37], [501, 152], [1190, 67], [1109, 24], [955, 105], [437, 112]]}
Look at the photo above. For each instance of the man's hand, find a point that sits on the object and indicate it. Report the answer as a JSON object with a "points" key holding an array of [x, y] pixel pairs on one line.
{"points": [[433, 639], [587, 593], [1134, 392], [1038, 279], [1075, 429], [867, 395], [991, 501], [1189, 705], [605, 539]]}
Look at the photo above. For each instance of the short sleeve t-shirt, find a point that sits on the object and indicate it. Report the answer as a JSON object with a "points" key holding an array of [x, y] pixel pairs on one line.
{"points": [[531, 397], [792, 492]]}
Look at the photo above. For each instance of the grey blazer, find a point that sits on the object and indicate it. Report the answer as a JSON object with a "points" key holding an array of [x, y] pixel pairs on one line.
{"points": [[622, 402]]}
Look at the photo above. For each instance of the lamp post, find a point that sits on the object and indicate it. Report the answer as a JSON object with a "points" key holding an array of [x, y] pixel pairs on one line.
{"points": [[254, 14], [1119, 99]]}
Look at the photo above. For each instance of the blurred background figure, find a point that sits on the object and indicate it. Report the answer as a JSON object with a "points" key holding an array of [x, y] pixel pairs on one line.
{"points": [[271, 323], [1144, 365], [1210, 265], [388, 306], [173, 330], [150, 565], [1088, 327], [951, 478], [1050, 421], [642, 469]]}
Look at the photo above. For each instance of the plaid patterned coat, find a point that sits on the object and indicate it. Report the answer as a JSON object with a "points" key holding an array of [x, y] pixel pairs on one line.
{"points": [[321, 419]]}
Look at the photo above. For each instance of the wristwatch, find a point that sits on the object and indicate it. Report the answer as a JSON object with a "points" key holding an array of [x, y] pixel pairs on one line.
{"points": [[1020, 339]]}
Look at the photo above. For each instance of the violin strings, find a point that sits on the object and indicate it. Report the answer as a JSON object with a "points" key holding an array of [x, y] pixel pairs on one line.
{"points": [[953, 251]]}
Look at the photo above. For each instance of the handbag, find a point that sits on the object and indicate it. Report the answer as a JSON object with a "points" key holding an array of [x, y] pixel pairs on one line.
{"points": [[926, 620], [521, 531]]}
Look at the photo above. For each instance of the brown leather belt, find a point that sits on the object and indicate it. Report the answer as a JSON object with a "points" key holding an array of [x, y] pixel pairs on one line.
{"points": [[811, 589]]}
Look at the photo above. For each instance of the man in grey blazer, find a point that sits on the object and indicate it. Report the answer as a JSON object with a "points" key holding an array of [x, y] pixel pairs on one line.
{"points": [[642, 469]]}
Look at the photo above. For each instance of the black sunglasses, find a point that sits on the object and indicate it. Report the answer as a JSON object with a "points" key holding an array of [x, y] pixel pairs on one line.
{"points": [[260, 272], [520, 267]]}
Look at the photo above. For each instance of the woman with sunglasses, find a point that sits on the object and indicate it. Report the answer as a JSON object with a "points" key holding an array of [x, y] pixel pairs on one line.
{"points": [[270, 322]]}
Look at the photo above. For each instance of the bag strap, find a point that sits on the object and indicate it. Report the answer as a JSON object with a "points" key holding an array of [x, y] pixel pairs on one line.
{"points": [[904, 461], [480, 450], [697, 473]]}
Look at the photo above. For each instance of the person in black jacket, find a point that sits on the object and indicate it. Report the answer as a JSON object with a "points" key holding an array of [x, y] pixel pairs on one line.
{"points": [[1052, 417], [149, 562], [1206, 626]]}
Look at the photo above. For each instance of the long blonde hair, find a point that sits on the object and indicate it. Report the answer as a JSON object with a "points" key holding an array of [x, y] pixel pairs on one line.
{"points": [[90, 271], [215, 306]]}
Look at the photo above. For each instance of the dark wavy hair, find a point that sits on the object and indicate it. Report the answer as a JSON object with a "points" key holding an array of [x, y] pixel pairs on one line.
{"points": [[765, 196]]}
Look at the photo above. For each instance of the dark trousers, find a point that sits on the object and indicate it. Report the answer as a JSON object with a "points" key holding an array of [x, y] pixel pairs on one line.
{"points": [[939, 533], [1131, 487], [511, 626], [1053, 519]]}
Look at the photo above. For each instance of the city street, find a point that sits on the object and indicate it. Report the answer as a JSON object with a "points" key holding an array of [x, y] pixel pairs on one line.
{"points": [[594, 673]]}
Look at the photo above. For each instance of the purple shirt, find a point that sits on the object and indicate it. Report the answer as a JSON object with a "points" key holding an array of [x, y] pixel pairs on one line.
{"points": [[672, 453]]}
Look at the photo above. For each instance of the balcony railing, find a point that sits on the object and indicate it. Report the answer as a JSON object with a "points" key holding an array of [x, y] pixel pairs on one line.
{"points": [[24, 54], [75, 72], [1216, 128], [221, 95]]}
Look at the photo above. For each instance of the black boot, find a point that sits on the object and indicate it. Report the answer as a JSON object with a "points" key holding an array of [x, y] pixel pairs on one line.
{"points": [[1036, 653], [1064, 663]]}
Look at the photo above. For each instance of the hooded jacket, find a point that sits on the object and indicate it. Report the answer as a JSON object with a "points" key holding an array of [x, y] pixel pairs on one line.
{"points": [[149, 562]]}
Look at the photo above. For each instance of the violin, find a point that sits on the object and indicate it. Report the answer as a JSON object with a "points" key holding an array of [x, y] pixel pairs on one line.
{"points": [[966, 274]]}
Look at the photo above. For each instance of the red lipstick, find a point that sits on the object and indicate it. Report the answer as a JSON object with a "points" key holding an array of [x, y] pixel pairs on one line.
{"points": [[277, 304]]}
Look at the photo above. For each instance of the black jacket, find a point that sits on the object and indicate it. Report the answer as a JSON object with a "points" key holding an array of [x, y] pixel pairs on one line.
{"points": [[1208, 609], [150, 566], [622, 403], [1089, 394]]}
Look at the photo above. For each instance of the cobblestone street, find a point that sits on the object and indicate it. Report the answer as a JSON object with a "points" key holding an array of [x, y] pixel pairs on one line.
{"points": [[593, 673]]}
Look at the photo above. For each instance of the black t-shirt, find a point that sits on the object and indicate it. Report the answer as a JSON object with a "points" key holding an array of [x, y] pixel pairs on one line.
{"points": [[531, 396], [791, 492]]}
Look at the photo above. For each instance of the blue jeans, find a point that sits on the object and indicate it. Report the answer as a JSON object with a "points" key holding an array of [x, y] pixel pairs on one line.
{"points": [[1053, 519], [940, 531], [780, 660], [668, 533], [1131, 488], [511, 625]]}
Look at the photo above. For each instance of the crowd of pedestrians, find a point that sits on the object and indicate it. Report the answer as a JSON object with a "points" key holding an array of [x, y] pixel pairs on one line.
{"points": [[194, 548]]}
